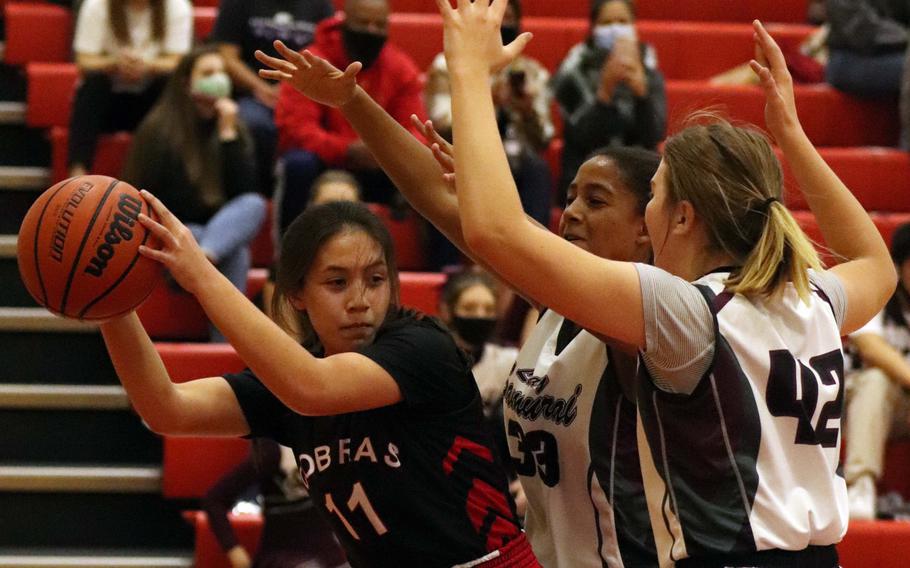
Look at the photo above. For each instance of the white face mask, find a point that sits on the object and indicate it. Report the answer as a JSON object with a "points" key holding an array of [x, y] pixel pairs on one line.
{"points": [[605, 36]]}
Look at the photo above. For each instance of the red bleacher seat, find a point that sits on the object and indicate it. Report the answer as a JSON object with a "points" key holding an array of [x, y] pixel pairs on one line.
{"points": [[407, 235], [829, 117], [109, 156], [37, 31], [885, 222], [875, 544], [174, 315], [208, 553], [262, 247], [422, 290], [192, 465], [879, 177], [685, 50], [792, 11], [203, 20], [188, 361], [896, 476], [49, 94]]}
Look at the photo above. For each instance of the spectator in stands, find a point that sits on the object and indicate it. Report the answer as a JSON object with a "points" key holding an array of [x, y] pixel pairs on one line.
{"points": [[124, 50], [468, 306], [193, 151], [868, 44], [312, 137], [334, 185], [878, 394], [609, 89], [522, 100], [294, 534], [243, 27]]}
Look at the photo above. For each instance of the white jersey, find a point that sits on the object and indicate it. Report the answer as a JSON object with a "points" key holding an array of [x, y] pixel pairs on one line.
{"points": [[571, 431], [749, 460]]}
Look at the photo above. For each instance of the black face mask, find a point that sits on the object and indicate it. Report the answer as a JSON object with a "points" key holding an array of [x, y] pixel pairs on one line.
{"points": [[509, 34], [475, 331], [361, 46]]}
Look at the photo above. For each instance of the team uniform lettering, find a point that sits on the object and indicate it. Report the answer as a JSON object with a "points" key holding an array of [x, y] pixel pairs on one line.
{"points": [[557, 410], [324, 457]]}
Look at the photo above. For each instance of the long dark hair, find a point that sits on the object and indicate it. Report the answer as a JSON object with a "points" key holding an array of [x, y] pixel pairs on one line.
{"points": [[302, 242], [173, 128], [900, 300], [116, 15]]}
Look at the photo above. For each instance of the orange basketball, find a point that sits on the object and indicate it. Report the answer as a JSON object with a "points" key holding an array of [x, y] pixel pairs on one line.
{"points": [[78, 249]]}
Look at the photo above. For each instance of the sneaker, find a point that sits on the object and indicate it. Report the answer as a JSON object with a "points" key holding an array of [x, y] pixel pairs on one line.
{"points": [[861, 497]]}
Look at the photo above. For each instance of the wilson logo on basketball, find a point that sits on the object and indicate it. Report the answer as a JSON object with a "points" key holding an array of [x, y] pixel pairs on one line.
{"points": [[66, 217], [128, 212]]}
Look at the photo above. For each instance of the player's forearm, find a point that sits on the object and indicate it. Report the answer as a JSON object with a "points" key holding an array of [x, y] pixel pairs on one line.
{"points": [[845, 225], [487, 197], [407, 162], [141, 372], [282, 364]]}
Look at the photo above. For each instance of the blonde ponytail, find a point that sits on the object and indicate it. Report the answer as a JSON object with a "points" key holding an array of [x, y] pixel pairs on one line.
{"points": [[782, 254]]}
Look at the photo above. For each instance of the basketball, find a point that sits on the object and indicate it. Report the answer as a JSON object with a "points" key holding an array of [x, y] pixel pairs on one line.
{"points": [[78, 249]]}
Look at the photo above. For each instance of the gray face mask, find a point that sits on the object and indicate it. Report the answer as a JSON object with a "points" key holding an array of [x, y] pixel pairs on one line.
{"points": [[605, 36], [216, 86]]}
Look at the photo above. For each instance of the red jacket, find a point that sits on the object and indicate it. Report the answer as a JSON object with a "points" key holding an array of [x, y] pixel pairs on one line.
{"points": [[394, 81]]}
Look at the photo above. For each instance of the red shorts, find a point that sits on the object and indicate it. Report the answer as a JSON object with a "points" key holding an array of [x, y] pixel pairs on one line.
{"points": [[516, 554]]}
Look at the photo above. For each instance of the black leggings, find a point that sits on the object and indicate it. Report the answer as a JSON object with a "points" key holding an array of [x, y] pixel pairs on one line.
{"points": [[98, 109], [811, 557]]}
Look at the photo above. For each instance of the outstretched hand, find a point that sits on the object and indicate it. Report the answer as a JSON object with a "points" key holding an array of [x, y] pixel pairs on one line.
{"points": [[179, 252], [312, 76], [771, 68], [472, 39], [442, 149]]}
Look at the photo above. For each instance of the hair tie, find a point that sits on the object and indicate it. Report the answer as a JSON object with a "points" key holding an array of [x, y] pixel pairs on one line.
{"points": [[766, 204]]}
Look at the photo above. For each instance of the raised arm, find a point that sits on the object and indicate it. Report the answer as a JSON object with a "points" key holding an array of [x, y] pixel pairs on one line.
{"points": [[868, 275], [413, 167], [602, 296], [409, 164]]}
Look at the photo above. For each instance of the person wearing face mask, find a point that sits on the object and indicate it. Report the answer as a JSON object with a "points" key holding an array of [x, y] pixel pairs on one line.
{"points": [[468, 307], [312, 138], [609, 89], [193, 150], [523, 113]]}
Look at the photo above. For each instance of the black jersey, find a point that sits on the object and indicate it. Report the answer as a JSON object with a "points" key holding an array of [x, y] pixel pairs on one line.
{"points": [[412, 484]]}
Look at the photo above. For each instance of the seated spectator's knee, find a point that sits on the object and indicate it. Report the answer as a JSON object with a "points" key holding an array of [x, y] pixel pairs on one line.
{"points": [[254, 204]]}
